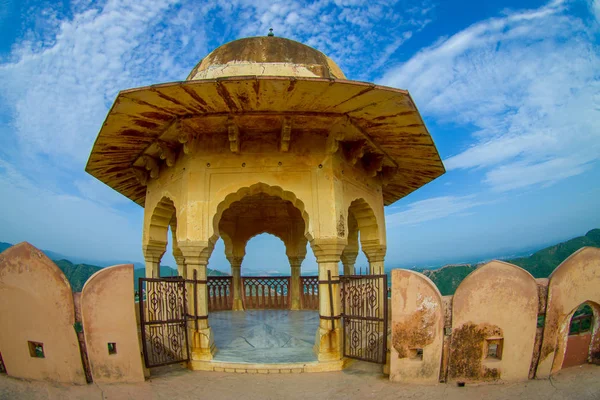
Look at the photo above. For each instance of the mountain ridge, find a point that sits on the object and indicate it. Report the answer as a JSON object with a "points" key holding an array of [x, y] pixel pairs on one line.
{"points": [[79, 273], [540, 264]]}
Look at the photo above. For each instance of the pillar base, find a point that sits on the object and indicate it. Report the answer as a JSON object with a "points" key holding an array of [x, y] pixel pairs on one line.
{"points": [[203, 345], [328, 344], [237, 305], [295, 306]]}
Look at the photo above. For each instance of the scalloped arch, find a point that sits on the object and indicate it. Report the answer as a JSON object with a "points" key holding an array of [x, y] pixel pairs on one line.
{"points": [[256, 189], [164, 214], [368, 225]]}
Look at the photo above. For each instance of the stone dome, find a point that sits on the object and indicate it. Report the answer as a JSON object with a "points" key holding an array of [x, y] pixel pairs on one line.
{"points": [[266, 56]]}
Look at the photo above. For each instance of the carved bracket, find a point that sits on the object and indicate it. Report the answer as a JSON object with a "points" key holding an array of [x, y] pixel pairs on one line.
{"points": [[167, 154], [355, 151], [333, 142], [234, 135], [186, 140], [151, 164], [141, 175], [286, 134], [373, 164]]}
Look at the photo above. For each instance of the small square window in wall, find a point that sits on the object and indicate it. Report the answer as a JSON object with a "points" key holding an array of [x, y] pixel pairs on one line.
{"points": [[416, 354], [112, 348], [494, 348], [36, 349]]}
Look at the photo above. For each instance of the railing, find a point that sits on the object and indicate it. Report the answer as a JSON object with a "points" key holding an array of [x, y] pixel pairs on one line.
{"points": [[266, 292], [220, 293], [309, 292]]}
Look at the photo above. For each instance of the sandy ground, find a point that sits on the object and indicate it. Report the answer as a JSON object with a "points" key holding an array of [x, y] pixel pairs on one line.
{"points": [[360, 381]]}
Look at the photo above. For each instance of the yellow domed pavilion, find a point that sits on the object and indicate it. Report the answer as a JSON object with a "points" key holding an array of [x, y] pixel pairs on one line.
{"points": [[266, 135]]}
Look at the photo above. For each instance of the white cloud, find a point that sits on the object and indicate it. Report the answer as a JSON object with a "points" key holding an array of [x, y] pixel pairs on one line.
{"points": [[60, 79], [595, 7], [64, 223], [432, 209], [527, 82]]}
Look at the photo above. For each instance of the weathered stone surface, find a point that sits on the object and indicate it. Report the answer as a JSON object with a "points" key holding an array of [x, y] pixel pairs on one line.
{"points": [[496, 301], [417, 323]]}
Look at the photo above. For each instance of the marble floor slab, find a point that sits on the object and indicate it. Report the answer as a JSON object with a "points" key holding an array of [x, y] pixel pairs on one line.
{"points": [[264, 336]]}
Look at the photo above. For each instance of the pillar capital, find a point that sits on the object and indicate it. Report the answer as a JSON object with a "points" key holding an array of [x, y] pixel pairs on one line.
{"points": [[295, 261], [349, 256], [196, 252], [153, 252], [235, 261], [328, 249], [374, 251]]}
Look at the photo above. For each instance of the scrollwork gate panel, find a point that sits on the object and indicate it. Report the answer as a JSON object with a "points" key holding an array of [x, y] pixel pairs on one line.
{"points": [[364, 313], [163, 319]]}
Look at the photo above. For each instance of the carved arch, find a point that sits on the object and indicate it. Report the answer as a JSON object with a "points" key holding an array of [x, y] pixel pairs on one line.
{"points": [[256, 189]]}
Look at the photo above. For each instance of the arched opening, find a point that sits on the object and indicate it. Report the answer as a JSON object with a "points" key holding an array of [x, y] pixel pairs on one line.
{"points": [[256, 264], [162, 225], [264, 234], [582, 333], [364, 252]]}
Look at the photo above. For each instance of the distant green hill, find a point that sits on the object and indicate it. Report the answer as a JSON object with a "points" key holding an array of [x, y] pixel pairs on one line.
{"points": [[540, 264], [449, 277], [78, 274]]}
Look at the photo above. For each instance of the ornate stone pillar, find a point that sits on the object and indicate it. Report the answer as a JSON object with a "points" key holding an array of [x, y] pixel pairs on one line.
{"points": [[152, 255], [349, 259], [236, 267], [328, 341], [295, 287], [375, 254], [196, 259]]}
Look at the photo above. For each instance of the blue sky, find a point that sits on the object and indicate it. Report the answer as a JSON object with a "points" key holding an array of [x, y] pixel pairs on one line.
{"points": [[510, 91]]}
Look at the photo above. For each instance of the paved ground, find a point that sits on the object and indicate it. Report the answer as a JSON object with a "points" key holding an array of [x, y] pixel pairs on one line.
{"points": [[360, 381], [265, 336]]}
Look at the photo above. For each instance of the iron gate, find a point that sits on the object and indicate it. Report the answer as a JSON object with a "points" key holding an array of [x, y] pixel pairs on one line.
{"points": [[163, 320], [364, 313]]}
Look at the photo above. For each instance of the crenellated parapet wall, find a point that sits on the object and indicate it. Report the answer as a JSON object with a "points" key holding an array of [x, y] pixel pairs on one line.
{"points": [[501, 324], [40, 330]]}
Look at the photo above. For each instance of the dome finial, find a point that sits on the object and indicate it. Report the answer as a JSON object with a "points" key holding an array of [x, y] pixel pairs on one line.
{"points": [[271, 32]]}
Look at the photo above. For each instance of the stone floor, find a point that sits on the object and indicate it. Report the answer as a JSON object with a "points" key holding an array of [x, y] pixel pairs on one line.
{"points": [[264, 336], [360, 381]]}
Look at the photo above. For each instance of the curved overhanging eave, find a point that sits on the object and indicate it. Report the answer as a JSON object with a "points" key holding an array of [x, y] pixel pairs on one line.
{"points": [[385, 118]]}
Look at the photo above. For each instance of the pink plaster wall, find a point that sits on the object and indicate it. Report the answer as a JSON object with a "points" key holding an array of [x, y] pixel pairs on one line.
{"points": [[37, 305], [108, 313], [575, 281], [497, 300]]}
